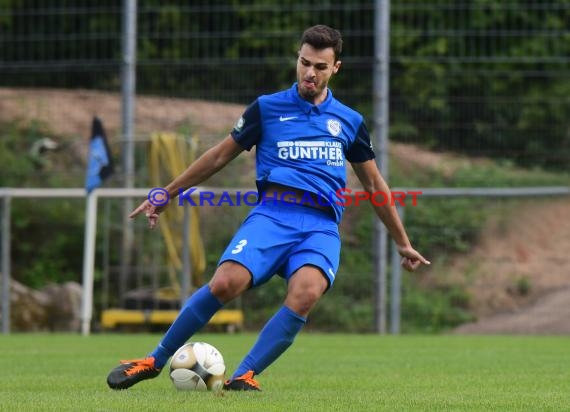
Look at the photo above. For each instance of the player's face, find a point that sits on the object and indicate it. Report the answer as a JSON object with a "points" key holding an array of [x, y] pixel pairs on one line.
{"points": [[314, 69]]}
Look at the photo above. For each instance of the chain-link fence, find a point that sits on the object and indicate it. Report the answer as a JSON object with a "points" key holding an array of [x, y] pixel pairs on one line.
{"points": [[228, 51], [484, 77]]}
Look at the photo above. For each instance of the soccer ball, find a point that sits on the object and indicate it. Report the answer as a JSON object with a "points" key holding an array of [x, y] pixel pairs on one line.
{"points": [[197, 366]]}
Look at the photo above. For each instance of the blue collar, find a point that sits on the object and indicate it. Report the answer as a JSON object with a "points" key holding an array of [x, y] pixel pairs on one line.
{"points": [[307, 107]]}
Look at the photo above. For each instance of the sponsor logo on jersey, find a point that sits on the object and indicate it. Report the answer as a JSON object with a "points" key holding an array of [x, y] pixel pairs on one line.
{"points": [[312, 150]]}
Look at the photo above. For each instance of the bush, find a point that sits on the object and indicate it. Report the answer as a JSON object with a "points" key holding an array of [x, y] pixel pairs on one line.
{"points": [[433, 310]]}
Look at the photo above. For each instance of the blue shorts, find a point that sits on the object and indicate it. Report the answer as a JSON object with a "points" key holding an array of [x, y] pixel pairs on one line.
{"points": [[281, 238]]}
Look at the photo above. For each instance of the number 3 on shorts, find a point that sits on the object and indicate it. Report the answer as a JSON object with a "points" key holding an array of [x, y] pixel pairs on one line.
{"points": [[239, 247]]}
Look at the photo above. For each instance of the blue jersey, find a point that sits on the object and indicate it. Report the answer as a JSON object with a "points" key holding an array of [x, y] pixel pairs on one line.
{"points": [[302, 145]]}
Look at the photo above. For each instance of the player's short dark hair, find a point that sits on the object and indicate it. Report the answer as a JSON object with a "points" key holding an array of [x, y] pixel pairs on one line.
{"points": [[322, 37]]}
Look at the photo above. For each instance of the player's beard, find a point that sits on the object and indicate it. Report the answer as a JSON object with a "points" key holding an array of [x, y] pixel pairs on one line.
{"points": [[310, 94]]}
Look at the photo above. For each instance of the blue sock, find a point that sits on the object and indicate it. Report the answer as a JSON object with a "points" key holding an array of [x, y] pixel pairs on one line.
{"points": [[196, 312], [274, 339]]}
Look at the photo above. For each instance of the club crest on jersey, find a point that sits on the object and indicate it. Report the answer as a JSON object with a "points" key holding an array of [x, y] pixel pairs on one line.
{"points": [[334, 127]]}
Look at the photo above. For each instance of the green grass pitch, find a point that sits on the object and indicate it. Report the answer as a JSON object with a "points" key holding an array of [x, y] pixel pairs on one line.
{"points": [[320, 372]]}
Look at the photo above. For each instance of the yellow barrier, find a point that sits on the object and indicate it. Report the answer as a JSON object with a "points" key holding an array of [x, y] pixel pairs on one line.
{"points": [[169, 155], [112, 318]]}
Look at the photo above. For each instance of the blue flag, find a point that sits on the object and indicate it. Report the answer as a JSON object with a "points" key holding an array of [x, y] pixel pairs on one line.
{"points": [[100, 162]]}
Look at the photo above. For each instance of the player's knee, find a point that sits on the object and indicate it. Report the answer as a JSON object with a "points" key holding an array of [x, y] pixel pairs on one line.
{"points": [[222, 288], [303, 300], [229, 282], [312, 295]]}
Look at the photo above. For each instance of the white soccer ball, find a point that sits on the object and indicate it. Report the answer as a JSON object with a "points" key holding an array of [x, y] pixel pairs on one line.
{"points": [[197, 366]]}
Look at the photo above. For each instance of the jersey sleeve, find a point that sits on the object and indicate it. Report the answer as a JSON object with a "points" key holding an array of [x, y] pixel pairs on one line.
{"points": [[247, 130], [361, 149]]}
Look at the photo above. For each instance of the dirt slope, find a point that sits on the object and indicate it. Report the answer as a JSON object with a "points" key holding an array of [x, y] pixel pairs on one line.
{"points": [[528, 252], [531, 247], [549, 315], [69, 112]]}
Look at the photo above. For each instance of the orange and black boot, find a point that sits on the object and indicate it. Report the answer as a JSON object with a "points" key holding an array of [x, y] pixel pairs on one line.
{"points": [[130, 372], [244, 382]]}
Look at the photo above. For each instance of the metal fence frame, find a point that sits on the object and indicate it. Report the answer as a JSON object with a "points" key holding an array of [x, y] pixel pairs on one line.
{"points": [[7, 194]]}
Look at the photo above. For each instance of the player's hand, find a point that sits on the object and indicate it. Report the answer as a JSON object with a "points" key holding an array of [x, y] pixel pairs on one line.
{"points": [[151, 212], [411, 258]]}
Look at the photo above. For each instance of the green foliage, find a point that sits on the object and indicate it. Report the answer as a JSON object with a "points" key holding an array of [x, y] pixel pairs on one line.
{"points": [[446, 224], [504, 173], [261, 303], [352, 288], [433, 309], [45, 241], [495, 95], [452, 224], [523, 286], [23, 168], [17, 165], [348, 306]]}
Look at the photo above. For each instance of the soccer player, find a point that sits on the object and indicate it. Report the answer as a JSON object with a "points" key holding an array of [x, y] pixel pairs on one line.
{"points": [[303, 136]]}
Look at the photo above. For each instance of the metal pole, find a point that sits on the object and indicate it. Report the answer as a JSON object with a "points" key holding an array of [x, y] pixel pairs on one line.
{"points": [[128, 86], [381, 124], [6, 234], [186, 282], [396, 285], [88, 263], [106, 255]]}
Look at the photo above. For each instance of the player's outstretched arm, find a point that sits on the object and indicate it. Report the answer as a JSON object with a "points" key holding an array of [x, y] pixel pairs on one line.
{"points": [[373, 182], [212, 161]]}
